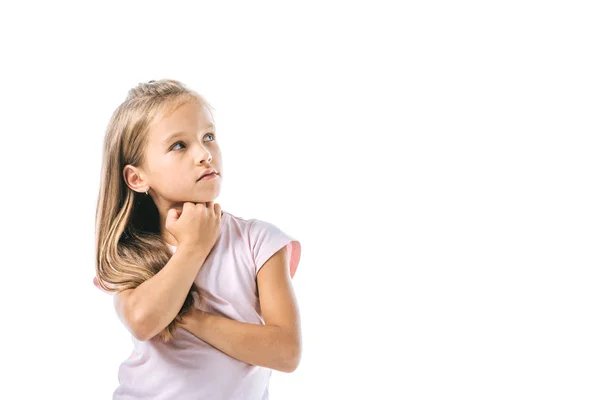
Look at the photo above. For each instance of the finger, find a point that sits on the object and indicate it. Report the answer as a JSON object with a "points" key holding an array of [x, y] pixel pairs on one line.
{"points": [[210, 205], [178, 210], [201, 209]]}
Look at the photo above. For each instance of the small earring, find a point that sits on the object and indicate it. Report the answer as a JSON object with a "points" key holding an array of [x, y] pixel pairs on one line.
{"points": [[146, 193]]}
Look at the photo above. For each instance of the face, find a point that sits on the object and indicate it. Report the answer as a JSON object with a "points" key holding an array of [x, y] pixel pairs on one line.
{"points": [[180, 148]]}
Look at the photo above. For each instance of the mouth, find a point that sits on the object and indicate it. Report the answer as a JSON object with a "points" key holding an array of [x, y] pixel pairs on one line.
{"points": [[208, 176]]}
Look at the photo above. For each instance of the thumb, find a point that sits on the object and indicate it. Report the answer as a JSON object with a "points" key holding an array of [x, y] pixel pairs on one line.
{"points": [[172, 216]]}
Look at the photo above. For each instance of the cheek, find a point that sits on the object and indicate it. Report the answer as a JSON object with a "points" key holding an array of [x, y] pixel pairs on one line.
{"points": [[167, 175], [166, 168]]}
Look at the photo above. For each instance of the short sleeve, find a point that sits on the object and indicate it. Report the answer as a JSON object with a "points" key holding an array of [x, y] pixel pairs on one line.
{"points": [[266, 239], [97, 284]]}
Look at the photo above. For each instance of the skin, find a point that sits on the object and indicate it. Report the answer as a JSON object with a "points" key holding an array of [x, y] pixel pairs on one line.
{"points": [[173, 164], [170, 174]]}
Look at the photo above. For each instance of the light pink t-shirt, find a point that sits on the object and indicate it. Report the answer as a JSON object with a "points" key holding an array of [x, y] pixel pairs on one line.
{"points": [[187, 368]]}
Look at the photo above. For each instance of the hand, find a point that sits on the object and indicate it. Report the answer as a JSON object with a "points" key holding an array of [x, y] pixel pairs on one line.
{"points": [[193, 316], [196, 225]]}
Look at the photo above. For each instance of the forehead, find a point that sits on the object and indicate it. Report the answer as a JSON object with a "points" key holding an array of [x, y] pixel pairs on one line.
{"points": [[190, 117]]}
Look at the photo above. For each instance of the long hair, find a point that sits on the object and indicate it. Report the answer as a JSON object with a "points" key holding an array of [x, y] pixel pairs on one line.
{"points": [[129, 247]]}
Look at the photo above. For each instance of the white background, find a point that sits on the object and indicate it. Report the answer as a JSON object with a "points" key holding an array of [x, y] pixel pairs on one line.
{"points": [[438, 162]]}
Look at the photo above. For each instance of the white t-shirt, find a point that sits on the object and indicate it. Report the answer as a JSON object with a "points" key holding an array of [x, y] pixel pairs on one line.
{"points": [[189, 368]]}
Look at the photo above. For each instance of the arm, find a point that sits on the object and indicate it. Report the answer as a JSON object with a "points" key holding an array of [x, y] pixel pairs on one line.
{"points": [[275, 345], [150, 307]]}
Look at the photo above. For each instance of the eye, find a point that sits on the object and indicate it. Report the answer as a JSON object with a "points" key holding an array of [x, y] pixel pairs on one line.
{"points": [[177, 144], [180, 143]]}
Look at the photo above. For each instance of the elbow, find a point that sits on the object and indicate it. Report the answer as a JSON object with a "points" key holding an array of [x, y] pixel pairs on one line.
{"points": [[139, 328], [291, 360], [139, 335], [133, 315]]}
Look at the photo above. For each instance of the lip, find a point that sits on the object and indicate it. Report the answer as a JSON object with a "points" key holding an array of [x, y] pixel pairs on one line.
{"points": [[208, 172], [208, 176]]}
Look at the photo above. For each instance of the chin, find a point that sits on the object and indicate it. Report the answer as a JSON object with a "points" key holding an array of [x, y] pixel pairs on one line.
{"points": [[203, 199]]}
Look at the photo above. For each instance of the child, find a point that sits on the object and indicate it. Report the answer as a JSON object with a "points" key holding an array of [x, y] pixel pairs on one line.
{"points": [[206, 295]]}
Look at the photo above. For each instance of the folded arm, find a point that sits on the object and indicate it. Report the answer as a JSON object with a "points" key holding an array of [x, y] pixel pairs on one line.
{"points": [[275, 345], [150, 307]]}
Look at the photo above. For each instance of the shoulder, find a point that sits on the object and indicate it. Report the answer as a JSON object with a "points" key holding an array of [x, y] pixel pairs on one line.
{"points": [[251, 228], [266, 238], [236, 221], [261, 231]]}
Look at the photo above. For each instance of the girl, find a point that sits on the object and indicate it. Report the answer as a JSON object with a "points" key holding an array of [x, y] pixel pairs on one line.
{"points": [[206, 295]]}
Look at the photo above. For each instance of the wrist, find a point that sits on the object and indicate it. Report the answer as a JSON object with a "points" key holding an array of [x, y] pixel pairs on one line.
{"points": [[188, 319], [195, 321], [193, 250]]}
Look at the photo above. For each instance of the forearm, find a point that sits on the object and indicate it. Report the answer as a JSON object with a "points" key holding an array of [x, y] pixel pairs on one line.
{"points": [[157, 301], [264, 345]]}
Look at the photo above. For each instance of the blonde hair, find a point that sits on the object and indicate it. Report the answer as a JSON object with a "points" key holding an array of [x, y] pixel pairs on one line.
{"points": [[129, 247]]}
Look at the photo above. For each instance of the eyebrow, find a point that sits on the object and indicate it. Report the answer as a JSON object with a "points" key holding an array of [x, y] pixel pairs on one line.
{"points": [[176, 134]]}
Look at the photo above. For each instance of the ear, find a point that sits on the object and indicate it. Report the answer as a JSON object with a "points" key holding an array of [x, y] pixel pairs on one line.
{"points": [[134, 179]]}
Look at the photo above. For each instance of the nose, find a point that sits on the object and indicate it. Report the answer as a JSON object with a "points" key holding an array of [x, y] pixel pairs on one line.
{"points": [[203, 155]]}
